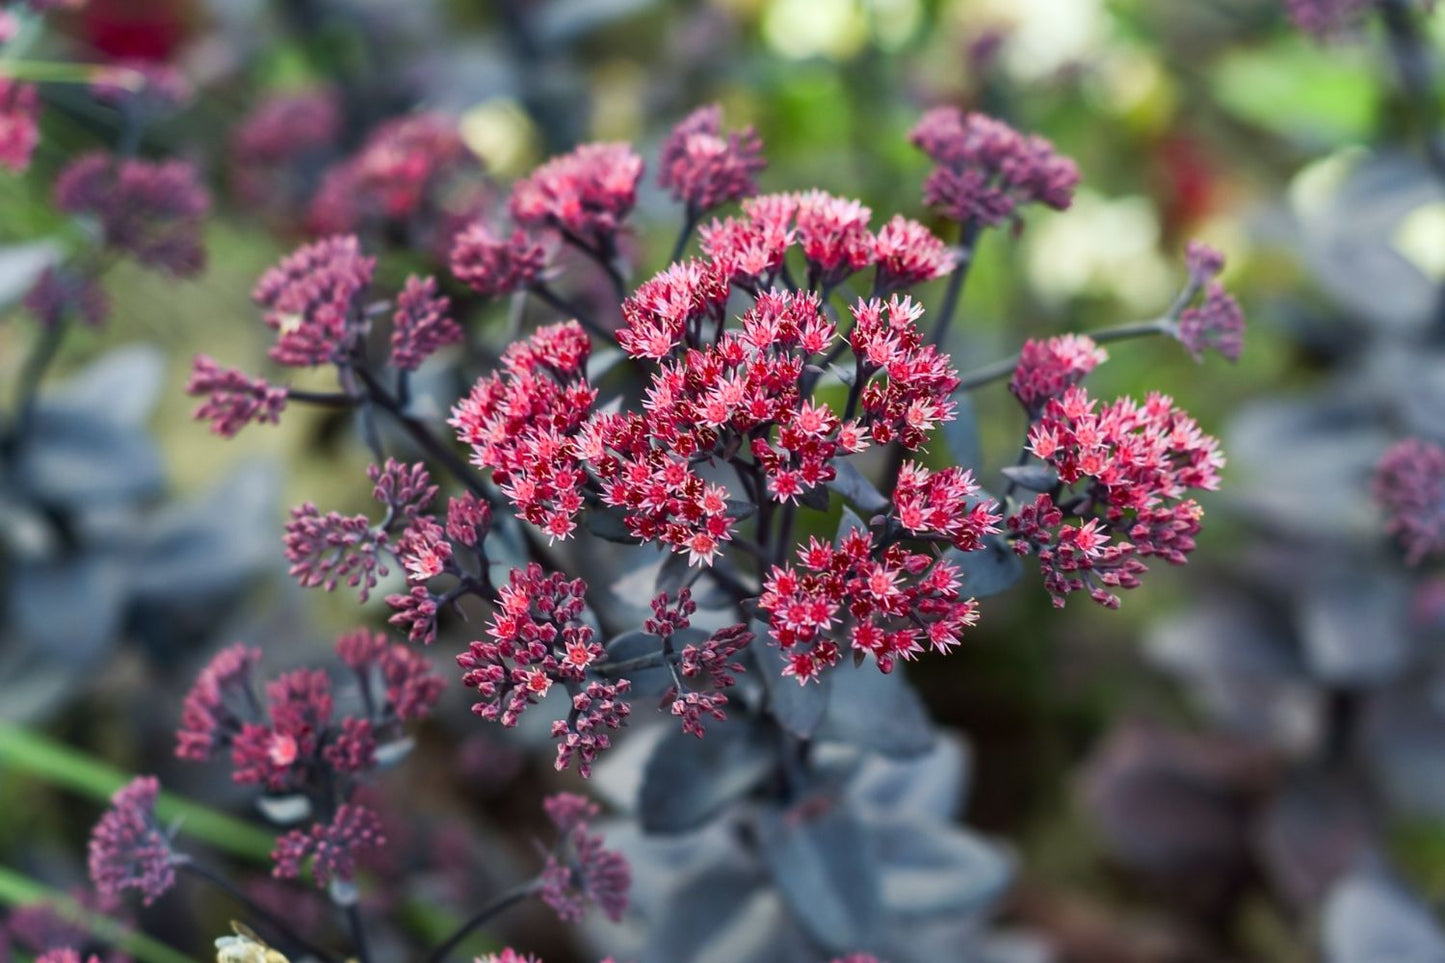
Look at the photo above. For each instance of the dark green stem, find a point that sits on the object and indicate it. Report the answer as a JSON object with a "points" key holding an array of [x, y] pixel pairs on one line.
{"points": [[570, 310], [1004, 367], [267, 919], [1411, 53], [504, 902], [419, 433], [967, 240], [358, 933], [689, 223], [28, 387]]}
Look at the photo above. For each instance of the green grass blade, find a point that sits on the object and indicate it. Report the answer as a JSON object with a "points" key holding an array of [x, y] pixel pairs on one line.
{"points": [[53, 762], [20, 890]]}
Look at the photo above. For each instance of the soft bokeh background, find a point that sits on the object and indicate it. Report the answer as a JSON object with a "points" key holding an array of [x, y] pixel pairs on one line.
{"points": [[1189, 118]]}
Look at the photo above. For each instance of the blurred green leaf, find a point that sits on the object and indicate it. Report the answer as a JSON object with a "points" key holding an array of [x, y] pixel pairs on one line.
{"points": [[18, 890], [45, 759], [1295, 90]]}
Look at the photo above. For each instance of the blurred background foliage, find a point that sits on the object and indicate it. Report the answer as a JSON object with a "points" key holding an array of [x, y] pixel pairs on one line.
{"points": [[1212, 119]]}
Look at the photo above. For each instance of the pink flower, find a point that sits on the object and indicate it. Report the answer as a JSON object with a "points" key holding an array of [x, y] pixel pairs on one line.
{"points": [[520, 423], [833, 232], [332, 847], [410, 687], [915, 397], [210, 717], [586, 193], [1217, 323], [233, 400], [405, 169], [353, 748], [19, 119], [747, 250], [406, 489], [313, 301], [537, 619], [494, 265], [1047, 368], [1131, 466], [890, 604], [155, 212], [469, 518], [600, 706], [987, 170], [420, 324], [328, 550], [509, 955], [938, 503], [1203, 262], [581, 871], [61, 293], [537, 639], [703, 169], [424, 550], [713, 663], [286, 126], [128, 849], [1409, 485], [416, 613], [277, 147], [907, 253], [666, 309], [334, 549], [279, 754]]}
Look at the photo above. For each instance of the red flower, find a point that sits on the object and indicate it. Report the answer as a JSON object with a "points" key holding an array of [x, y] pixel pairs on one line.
{"points": [[209, 715], [521, 420], [420, 325], [19, 118], [154, 212], [1047, 368], [313, 301], [987, 170], [703, 169], [128, 849], [1128, 468], [494, 265], [907, 253], [586, 193], [943, 503], [889, 604], [332, 847], [232, 398]]}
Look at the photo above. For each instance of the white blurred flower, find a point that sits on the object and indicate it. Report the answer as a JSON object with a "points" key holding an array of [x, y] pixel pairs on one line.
{"points": [[1101, 246]]}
